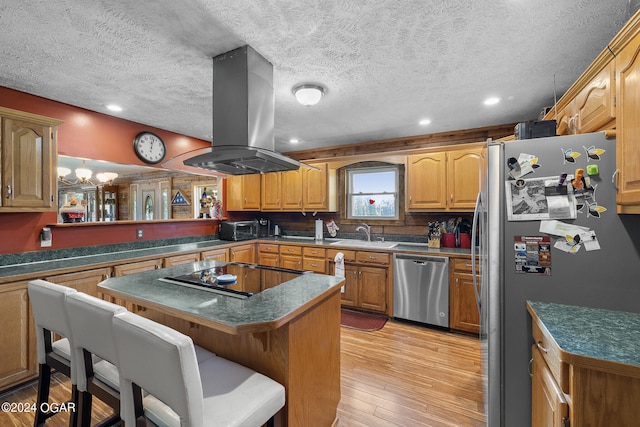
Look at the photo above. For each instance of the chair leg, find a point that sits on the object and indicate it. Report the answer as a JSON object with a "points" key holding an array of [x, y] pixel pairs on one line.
{"points": [[271, 422], [83, 418], [75, 398], [44, 382]]}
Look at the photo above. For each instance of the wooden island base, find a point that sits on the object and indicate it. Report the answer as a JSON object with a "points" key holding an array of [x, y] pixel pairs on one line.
{"points": [[303, 355]]}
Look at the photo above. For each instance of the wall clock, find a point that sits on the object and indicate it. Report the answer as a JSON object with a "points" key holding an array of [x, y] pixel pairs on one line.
{"points": [[149, 147]]}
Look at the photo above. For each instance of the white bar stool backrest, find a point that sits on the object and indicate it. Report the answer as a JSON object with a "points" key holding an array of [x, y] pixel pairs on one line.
{"points": [[49, 312], [92, 327], [162, 361]]}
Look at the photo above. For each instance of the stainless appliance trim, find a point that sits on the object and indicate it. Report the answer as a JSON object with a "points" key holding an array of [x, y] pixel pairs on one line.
{"points": [[421, 289]]}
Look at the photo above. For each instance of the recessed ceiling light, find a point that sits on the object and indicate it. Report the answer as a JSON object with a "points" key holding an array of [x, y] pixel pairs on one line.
{"points": [[294, 140], [424, 122], [114, 107], [491, 101]]}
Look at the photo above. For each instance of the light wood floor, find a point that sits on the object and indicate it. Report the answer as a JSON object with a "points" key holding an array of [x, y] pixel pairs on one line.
{"points": [[408, 375], [402, 375]]}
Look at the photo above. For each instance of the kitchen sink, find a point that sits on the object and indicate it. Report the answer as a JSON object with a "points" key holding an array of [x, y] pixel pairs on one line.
{"points": [[364, 244]]}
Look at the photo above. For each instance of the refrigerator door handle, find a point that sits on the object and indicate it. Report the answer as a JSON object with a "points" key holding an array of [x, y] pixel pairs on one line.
{"points": [[614, 179], [474, 235]]}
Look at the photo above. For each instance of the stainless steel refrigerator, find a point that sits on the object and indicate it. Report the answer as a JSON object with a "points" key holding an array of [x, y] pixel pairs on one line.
{"points": [[527, 241]]}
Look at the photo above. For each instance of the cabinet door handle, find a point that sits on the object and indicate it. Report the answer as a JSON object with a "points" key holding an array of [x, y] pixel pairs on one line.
{"points": [[541, 348], [8, 191]]}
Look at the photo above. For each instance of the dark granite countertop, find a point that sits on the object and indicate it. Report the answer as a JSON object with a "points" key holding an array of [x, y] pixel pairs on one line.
{"points": [[51, 265], [263, 311], [608, 335], [32, 263], [401, 246]]}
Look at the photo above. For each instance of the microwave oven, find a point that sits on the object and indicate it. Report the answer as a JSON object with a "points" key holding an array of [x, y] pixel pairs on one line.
{"points": [[238, 230]]}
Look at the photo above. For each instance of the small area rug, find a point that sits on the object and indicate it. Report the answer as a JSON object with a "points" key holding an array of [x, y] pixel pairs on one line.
{"points": [[361, 321]]}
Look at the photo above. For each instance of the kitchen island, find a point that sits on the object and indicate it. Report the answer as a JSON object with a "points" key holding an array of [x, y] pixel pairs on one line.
{"points": [[585, 366], [289, 331]]}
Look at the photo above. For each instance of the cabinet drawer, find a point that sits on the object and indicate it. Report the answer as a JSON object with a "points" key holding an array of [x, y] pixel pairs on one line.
{"points": [[314, 252], [549, 351], [317, 265], [464, 265], [348, 255], [291, 250], [373, 257], [268, 247]]}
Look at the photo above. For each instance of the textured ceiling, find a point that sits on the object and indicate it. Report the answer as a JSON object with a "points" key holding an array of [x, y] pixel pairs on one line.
{"points": [[386, 64]]}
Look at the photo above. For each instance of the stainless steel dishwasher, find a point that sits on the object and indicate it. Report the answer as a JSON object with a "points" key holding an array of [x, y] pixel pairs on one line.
{"points": [[421, 289]]}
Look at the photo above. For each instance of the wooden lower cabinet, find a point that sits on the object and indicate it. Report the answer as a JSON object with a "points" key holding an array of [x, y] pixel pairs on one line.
{"points": [[549, 406], [463, 309], [215, 255], [172, 261], [291, 257], [136, 267], [84, 281], [314, 259], [366, 279], [569, 389], [243, 253], [18, 361]]}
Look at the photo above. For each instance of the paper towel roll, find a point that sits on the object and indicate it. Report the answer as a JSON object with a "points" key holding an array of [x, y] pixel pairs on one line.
{"points": [[319, 229], [339, 260]]}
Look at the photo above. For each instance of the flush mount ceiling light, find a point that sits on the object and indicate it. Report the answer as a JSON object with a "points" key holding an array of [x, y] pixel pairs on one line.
{"points": [[308, 94]]}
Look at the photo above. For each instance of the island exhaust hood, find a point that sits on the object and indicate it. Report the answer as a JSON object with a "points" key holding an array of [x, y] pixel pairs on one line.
{"points": [[243, 117]]}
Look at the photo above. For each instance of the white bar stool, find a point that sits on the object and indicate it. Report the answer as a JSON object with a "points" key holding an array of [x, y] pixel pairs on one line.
{"points": [[91, 321], [216, 392], [48, 306]]}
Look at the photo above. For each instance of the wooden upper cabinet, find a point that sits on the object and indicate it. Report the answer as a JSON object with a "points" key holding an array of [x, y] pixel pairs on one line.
{"points": [[564, 117], [444, 180], [426, 182], [463, 178], [282, 191], [591, 109], [594, 105], [29, 159], [271, 194], [292, 190], [319, 188], [628, 124], [243, 192]]}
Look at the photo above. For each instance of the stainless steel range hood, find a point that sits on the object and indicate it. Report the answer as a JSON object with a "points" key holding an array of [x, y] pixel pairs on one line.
{"points": [[243, 117]]}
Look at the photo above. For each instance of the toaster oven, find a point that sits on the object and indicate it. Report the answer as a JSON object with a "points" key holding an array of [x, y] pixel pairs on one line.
{"points": [[238, 230]]}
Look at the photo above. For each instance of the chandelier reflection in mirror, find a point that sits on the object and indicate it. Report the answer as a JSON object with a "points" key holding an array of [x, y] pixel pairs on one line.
{"points": [[83, 176]]}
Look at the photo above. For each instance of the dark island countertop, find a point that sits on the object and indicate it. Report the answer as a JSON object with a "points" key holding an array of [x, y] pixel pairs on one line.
{"points": [[591, 336], [263, 311]]}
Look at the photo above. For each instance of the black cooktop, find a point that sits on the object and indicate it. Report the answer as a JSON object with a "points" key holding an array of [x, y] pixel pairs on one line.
{"points": [[239, 280]]}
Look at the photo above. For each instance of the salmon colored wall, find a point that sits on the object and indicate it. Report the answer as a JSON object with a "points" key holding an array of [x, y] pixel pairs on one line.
{"points": [[90, 135], [21, 232]]}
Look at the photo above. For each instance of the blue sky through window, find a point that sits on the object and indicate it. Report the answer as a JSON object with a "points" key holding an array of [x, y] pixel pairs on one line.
{"points": [[374, 182]]}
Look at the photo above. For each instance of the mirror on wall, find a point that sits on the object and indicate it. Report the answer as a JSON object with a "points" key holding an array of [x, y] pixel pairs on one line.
{"points": [[107, 191]]}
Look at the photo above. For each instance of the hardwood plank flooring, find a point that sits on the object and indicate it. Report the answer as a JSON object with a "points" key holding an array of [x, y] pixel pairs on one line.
{"points": [[401, 375], [405, 374]]}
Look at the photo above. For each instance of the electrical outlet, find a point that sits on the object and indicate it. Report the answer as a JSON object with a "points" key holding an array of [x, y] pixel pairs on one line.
{"points": [[45, 237], [139, 233]]}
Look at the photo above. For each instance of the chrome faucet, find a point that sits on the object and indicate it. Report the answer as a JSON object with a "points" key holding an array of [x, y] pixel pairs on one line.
{"points": [[367, 230]]}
